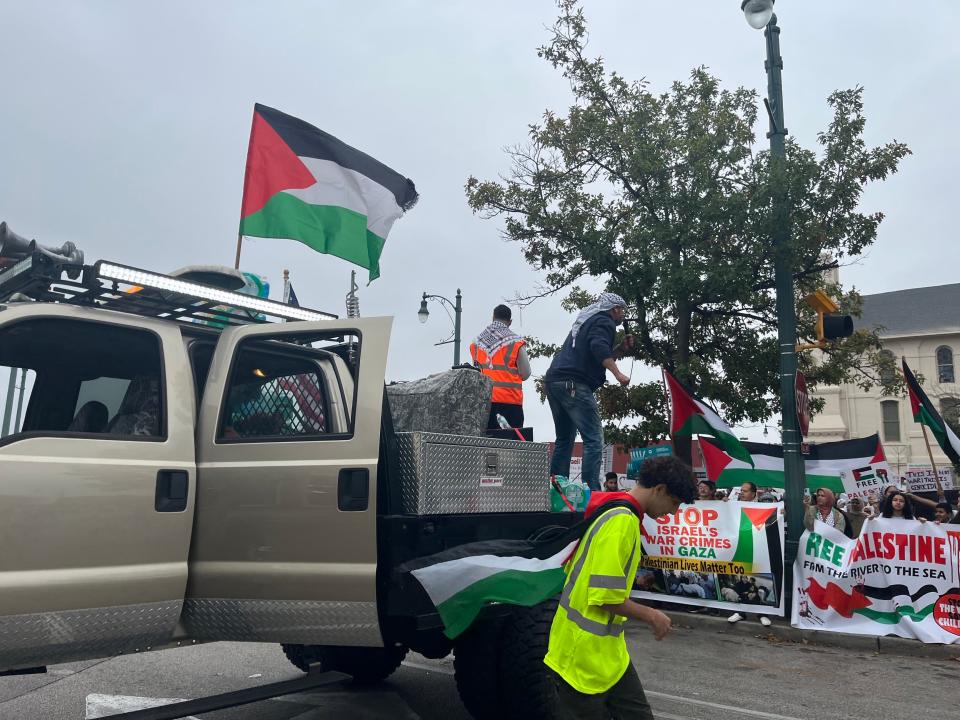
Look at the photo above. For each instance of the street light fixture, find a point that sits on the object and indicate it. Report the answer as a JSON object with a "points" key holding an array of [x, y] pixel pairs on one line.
{"points": [[423, 314], [759, 14]]}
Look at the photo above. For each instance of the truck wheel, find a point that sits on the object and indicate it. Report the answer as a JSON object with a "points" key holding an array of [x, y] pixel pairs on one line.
{"points": [[367, 665], [528, 685], [476, 666]]}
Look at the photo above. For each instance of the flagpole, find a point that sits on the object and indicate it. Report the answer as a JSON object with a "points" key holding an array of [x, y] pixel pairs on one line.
{"points": [[236, 263], [933, 465]]}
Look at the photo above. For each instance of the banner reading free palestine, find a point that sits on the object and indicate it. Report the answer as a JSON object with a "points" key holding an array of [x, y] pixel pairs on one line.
{"points": [[715, 554], [899, 577]]}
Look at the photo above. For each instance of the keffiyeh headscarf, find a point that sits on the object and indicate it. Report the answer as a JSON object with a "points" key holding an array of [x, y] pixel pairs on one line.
{"points": [[496, 335], [607, 302]]}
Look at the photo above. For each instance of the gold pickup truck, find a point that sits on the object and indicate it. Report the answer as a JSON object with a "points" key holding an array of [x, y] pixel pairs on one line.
{"points": [[190, 464]]}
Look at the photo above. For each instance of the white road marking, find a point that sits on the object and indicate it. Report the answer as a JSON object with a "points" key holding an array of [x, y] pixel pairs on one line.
{"points": [[718, 706], [101, 706]]}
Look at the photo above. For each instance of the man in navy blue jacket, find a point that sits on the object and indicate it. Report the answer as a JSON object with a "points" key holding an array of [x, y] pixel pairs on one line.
{"points": [[575, 374]]}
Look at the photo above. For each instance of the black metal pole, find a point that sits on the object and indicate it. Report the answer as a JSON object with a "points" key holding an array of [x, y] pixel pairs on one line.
{"points": [[794, 480], [456, 329]]}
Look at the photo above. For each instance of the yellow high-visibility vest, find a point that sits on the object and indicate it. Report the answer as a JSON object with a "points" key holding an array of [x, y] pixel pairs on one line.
{"points": [[587, 646]]}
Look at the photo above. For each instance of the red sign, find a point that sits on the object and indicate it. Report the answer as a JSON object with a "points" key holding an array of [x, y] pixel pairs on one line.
{"points": [[803, 404]]}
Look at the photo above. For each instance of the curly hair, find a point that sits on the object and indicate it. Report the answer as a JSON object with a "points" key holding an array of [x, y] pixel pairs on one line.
{"points": [[886, 508], [672, 472]]}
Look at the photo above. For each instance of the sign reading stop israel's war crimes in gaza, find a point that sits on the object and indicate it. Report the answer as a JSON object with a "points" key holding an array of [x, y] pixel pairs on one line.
{"points": [[899, 577], [715, 554]]}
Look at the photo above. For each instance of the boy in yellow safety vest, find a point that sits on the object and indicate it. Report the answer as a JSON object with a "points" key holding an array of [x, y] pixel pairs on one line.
{"points": [[588, 651]]}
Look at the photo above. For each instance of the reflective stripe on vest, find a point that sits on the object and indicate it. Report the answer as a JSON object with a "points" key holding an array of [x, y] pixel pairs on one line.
{"points": [[502, 369], [614, 582]]}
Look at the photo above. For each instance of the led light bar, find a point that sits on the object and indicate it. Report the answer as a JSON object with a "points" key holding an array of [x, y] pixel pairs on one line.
{"points": [[144, 279], [18, 268]]}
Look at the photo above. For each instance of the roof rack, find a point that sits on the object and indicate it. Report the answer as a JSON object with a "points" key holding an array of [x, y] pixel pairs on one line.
{"points": [[111, 286]]}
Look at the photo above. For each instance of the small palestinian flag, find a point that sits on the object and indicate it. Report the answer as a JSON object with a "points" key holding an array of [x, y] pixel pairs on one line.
{"points": [[824, 466], [926, 414], [304, 184], [689, 416]]}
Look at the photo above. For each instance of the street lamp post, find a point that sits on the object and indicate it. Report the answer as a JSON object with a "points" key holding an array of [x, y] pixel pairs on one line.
{"points": [[759, 14], [424, 313]]}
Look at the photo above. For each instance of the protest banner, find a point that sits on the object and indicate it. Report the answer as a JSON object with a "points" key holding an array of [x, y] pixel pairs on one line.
{"points": [[899, 577], [920, 478], [715, 554]]}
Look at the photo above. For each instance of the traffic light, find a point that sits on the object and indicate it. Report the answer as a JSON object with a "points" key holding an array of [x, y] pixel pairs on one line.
{"points": [[830, 324]]}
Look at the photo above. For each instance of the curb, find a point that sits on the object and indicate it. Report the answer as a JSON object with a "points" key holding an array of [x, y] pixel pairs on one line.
{"points": [[781, 630]]}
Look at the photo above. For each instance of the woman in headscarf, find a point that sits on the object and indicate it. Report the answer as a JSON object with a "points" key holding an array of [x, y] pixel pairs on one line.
{"points": [[824, 510]]}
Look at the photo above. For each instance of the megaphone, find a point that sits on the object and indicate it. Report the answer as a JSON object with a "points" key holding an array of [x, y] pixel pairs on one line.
{"points": [[16, 247]]}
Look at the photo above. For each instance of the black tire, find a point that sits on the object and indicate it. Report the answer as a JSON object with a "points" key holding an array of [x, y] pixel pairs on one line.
{"points": [[476, 666], [367, 665], [527, 685]]}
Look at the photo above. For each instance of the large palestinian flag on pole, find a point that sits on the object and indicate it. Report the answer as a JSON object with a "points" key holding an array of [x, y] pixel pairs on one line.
{"points": [[304, 184], [689, 416], [826, 465], [926, 414]]}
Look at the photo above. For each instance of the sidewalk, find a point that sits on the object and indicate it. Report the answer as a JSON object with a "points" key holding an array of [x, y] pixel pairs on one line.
{"points": [[781, 630]]}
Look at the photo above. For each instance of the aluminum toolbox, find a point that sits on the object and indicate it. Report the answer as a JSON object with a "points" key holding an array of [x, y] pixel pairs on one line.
{"points": [[443, 474]]}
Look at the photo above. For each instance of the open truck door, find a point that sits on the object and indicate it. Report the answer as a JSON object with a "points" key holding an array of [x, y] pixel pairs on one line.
{"points": [[285, 537], [96, 484]]}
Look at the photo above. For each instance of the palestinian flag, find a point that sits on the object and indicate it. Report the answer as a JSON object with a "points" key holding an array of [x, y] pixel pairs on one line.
{"points": [[689, 416], [462, 580], [824, 466], [926, 414], [303, 184]]}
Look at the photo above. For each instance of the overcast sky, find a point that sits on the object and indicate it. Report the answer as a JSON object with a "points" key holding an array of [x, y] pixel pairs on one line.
{"points": [[124, 128]]}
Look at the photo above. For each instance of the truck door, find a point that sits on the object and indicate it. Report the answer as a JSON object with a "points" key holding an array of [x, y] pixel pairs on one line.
{"points": [[285, 546], [96, 484]]}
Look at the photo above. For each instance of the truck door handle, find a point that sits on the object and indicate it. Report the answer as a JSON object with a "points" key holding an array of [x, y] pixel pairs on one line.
{"points": [[172, 491], [353, 489]]}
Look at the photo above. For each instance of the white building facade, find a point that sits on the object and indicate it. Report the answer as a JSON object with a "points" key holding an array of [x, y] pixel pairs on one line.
{"points": [[923, 326]]}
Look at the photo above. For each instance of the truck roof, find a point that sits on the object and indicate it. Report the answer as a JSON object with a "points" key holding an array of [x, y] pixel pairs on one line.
{"points": [[42, 277]]}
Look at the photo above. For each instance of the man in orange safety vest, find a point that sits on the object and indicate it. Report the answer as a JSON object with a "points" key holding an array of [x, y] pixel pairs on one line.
{"points": [[500, 354]]}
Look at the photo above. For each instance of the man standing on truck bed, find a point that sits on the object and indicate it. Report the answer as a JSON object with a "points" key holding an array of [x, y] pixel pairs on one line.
{"points": [[588, 651], [500, 354], [574, 376]]}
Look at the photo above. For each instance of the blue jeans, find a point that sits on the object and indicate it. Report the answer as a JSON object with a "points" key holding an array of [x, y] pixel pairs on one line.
{"points": [[574, 408]]}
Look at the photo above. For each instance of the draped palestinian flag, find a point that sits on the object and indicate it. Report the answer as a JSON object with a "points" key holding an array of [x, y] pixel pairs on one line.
{"points": [[689, 416], [926, 414], [462, 580], [825, 465], [306, 185]]}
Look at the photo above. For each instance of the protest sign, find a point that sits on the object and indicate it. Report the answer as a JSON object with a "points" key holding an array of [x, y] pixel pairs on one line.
{"points": [[899, 577], [715, 554], [920, 479], [866, 482]]}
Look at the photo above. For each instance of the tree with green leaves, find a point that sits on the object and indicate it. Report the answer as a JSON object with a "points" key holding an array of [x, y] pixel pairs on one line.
{"points": [[668, 200]]}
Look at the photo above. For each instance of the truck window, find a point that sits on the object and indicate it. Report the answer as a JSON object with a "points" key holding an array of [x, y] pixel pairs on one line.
{"points": [[89, 379], [290, 390]]}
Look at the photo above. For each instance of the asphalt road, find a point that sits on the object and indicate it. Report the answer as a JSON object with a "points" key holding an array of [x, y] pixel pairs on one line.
{"points": [[693, 675]]}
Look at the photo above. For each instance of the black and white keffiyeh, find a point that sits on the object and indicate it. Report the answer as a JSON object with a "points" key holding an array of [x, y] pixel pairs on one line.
{"points": [[496, 335], [608, 301]]}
